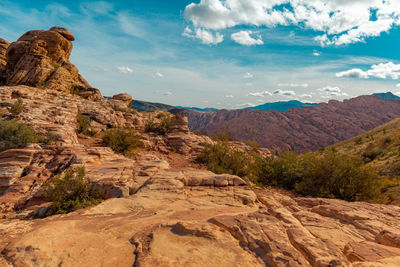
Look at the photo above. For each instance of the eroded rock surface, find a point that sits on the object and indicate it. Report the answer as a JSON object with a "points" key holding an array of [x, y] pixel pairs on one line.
{"points": [[41, 59]]}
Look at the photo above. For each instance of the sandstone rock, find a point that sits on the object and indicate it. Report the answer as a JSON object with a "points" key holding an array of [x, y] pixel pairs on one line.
{"points": [[125, 98], [3, 60], [41, 58]]}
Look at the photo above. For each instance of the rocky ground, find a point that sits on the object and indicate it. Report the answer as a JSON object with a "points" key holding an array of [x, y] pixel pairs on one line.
{"points": [[162, 209]]}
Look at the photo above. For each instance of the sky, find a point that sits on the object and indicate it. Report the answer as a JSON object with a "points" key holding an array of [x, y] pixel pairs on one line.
{"points": [[224, 53]]}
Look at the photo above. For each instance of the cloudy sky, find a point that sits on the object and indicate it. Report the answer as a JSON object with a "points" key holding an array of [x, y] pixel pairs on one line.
{"points": [[225, 53]]}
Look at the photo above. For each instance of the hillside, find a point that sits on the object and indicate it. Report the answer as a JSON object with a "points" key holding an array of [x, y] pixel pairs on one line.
{"points": [[299, 129], [282, 105], [143, 106], [87, 181]]}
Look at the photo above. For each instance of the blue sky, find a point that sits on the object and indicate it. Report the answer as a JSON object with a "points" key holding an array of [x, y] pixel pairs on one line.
{"points": [[224, 54]]}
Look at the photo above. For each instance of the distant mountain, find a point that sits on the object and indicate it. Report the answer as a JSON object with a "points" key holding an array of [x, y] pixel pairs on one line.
{"points": [[298, 129], [283, 105], [148, 106], [387, 96], [200, 109]]}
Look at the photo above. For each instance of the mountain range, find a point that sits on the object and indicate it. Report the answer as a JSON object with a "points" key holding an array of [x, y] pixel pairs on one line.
{"points": [[298, 129]]}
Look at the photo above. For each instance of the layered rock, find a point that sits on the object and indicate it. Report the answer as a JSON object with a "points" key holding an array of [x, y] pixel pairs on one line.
{"points": [[3, 59], [41, 59]]}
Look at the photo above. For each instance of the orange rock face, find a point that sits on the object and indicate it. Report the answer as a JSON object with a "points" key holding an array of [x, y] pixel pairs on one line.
{"points": [[41, 59]]}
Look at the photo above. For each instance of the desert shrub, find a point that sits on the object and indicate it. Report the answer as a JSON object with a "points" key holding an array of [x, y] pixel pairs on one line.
{"points": [[387, 140], [358, 140], [254, 145], [84, 125], [14, 134], [162, 126], [327, 174], [70, 191], [334, 175], [122, 140], [124, 109], [17, 107], [281, 171], [222, 158], [371, 153]]}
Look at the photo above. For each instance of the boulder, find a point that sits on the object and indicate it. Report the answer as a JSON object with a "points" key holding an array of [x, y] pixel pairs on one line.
{"points": [[41, 59], [125, 98]]}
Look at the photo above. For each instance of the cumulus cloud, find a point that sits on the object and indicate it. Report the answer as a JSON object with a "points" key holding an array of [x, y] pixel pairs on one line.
{"points": [[306, 96], [205, 36], [260, 94], [338, 21], [353, 73], [382, 71], [124, 70], [329, 91], [244, 38], [305, 85], [284, 93], [248, 75]]}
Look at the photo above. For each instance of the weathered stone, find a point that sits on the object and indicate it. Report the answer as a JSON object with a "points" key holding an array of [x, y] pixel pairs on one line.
{"points": [[125, 98]]}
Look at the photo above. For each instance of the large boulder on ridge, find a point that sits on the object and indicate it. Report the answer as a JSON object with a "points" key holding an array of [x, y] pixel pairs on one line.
{"points": [[41, 59]]}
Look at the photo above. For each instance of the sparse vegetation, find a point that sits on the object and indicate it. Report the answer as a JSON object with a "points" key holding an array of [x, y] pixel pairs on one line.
{"points": [[70, 191], [254, 145], [14, 134], [84, 125], [122, 140], [320, 174], [17, 107], [161, 124], [197, 132]]}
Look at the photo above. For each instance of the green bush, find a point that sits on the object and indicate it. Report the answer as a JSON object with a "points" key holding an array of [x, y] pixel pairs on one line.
{"points": [[84, 125], [70, 191], [14, 134], [222, 158], [162, 126], [122, 140], [327, 174], [17, 107]]}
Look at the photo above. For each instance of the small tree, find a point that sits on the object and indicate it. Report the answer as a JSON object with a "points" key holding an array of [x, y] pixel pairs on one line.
{"points": [[14, 134]]}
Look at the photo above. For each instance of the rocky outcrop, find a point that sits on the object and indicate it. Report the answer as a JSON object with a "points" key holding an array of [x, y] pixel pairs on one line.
{"points": [[41, 59], [125, 98], [298, 129], [3, 60]]}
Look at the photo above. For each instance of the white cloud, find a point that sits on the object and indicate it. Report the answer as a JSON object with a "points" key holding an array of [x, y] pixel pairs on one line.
{"points": [[339, 21], [306, 96], [205, 36], [305, 85], [284, 93], [167, 93], [158, 75], [244, 38], [329, 91], [353, 73], [248, 75], [382, 71], [259, 94], [316, 53], [229, 96], [398, 85], [124, 70]]}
